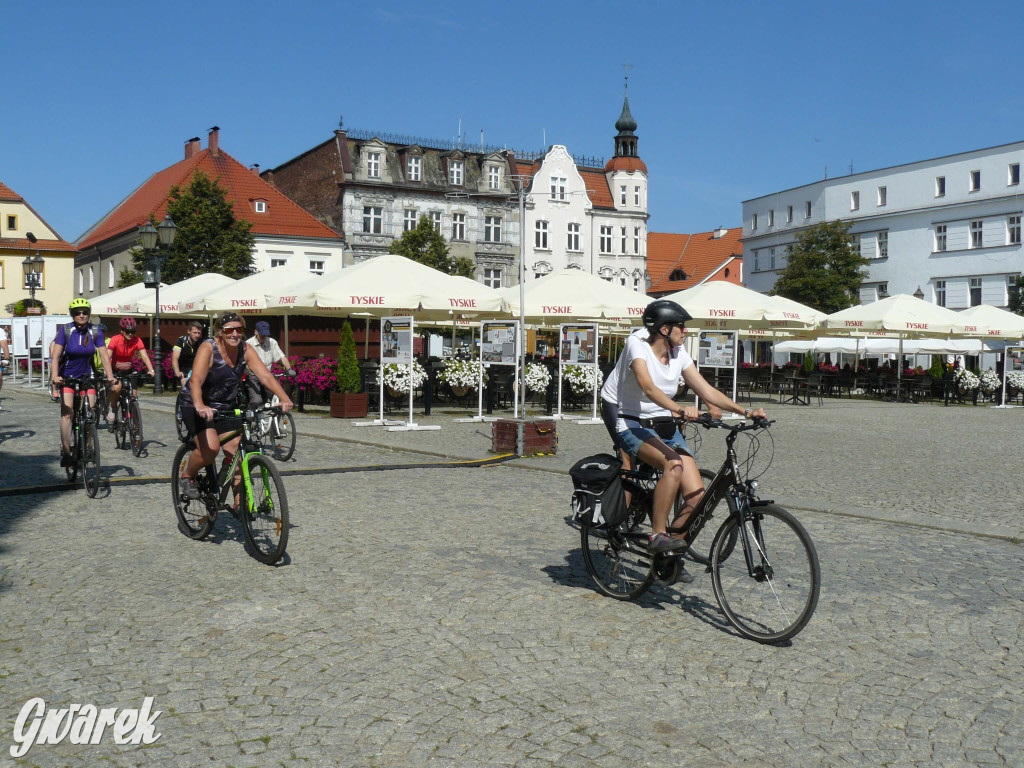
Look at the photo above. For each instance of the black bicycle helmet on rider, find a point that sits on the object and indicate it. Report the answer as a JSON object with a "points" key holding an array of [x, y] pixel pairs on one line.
{"points": [[664, 312]]}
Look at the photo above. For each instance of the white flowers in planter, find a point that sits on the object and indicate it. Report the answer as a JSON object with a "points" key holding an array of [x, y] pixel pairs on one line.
{"points": [[582, 378], [537, 377], [462, 373], [397, 376], [1015, 379], [988, 381], [966, 380]]}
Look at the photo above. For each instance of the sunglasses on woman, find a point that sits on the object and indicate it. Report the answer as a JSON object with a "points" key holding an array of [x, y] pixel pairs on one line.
{"points": [[232, 330], [81, 312]]}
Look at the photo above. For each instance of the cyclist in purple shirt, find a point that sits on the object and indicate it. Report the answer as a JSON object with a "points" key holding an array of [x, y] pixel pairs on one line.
{"points": [[72, 352]]}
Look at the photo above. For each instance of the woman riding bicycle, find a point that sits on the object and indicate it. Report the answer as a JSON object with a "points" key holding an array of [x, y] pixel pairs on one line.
{"points": [[123, 349], [217, 373], [71, 355], [649, 378]]}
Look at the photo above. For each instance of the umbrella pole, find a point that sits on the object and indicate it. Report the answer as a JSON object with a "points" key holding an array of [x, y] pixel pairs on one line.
{"points": [[899, 369], [286, 334]]}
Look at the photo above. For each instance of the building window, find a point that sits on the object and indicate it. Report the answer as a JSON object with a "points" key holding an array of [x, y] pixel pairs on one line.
{"points": [[455, 168], [940, 237], [278, 263], [373, 219], [771, 258], [557, 188], [111, 275], [606, 239], [771, 217], [261, 206], [435, 219], [856, 244], [975, 291], [458, 226], [636, 240], [636, 196], [573, 238], [316, 266], [373, 165], [493, 179], [1013, 174], [622, 194], [855, 201], [940, 186], [623, 238], [757, 261], [883, 245], [677, 275], [807, 209], [492, 229], [492, 277], [940, 292], [1013, 230], [409, 220], [1011, 287], [883, 290], [882, 194], [976, 233], [414, 168], [753, 221], [975, 181], [92, 279], [540, 235], [789, 214], [81, 280], [12, 222]]}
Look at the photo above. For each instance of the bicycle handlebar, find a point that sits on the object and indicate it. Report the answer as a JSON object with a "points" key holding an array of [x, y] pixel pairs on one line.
{"points": [[238, 413], [707, 422]]}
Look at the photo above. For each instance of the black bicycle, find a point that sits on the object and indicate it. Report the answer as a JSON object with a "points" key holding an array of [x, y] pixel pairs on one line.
{"points": [[767, 587], [85, 444], [262, 506], [127, 426]]}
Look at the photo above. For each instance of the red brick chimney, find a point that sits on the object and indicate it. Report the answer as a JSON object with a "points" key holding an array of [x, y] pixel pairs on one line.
{"points": [[213, 143], [192, 146], [255, 168]]}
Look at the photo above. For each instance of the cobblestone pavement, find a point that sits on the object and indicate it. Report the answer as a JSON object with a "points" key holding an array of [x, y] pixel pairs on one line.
{"points": [[443, 617]]}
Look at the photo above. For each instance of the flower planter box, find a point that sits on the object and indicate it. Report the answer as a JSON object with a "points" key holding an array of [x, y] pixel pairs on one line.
{"points": [[349, 406], [526, 437]]}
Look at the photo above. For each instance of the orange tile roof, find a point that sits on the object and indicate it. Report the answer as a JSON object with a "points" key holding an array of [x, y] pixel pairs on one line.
{"points": [[595, 182], [630, 164], [6, 193], [283, 217], [698, 255], [21, 243]]}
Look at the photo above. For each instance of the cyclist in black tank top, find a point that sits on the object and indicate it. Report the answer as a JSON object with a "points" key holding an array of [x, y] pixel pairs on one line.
{"points": [[217, 374]]}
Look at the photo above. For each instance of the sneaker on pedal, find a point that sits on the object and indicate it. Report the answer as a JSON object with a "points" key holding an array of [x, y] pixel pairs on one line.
{"points": [[65, 460], [662, 542], [188, 488]]}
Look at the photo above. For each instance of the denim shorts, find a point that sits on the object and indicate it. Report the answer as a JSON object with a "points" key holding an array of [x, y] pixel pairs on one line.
{"points": [[635, 436]]}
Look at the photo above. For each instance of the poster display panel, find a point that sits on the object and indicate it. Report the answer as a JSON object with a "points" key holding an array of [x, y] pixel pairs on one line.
{"points": [[717, 350], [578, 344], [396, 340], [498, 342]]}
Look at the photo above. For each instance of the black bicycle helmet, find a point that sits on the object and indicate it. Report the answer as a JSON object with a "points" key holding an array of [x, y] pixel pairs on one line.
{"points": [[664, 312]]}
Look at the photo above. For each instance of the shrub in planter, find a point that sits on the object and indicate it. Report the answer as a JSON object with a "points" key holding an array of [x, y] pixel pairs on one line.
{"points": [[347, 401]]}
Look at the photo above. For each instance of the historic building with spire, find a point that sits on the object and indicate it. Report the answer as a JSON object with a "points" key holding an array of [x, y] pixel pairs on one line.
{"points": [[581, 213]]}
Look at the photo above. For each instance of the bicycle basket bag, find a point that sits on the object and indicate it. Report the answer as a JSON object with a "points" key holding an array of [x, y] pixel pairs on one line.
{"points": [[598, 498]]}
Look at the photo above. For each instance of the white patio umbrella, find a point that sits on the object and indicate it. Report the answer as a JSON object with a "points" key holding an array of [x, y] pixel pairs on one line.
{"points": [[194, 290], [719, 305], [253, 294], [395, 285], [571, 294], [992, 323], [120, 301], [902, 314]]}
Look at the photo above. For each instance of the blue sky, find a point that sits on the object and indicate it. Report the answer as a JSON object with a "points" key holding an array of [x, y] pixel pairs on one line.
{"points": [[733, 100]]}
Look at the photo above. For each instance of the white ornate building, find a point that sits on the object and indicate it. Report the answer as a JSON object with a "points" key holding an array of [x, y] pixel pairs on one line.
{"points": [[950, 226]]}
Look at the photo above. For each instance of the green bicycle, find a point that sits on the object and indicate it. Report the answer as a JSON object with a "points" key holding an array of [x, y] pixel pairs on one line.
{"points": [[262, 506]]}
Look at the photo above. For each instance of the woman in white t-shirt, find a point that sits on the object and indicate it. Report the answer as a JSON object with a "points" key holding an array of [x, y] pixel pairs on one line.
{"points": [[649, 372]]}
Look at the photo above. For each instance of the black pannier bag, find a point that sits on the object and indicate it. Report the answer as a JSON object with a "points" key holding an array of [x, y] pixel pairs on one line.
{"points": [[598, 498]]}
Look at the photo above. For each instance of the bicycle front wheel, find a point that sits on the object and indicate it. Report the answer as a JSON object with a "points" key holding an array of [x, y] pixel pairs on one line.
{"points": [[195, 521], [265, 513], [280, 437], [775, 602], [89, 453], [135, 427], [615, 561]]}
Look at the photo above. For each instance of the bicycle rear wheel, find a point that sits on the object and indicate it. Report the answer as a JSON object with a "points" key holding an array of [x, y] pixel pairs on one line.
{"points": [[135, 427], [195, 521], [265, 515], [775, 603], [89, 454], [615, 562], [280, 437]]}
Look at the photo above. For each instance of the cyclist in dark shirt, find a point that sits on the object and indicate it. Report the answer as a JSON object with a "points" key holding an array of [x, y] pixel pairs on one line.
{"points": [[185, 350]]}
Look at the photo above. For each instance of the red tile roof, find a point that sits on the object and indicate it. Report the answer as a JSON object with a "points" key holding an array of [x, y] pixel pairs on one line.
{"points": [[595, 182], [630, 164], [283, 217], [8, 194], [20, 243], [698, 256]]}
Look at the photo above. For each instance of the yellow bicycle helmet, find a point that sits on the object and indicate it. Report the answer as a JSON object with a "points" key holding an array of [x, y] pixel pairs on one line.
{"points": [[79, 303]]}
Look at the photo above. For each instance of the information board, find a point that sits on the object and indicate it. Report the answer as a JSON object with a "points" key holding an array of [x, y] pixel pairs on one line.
{"points": [[396, 340], [578, 344], [716, 350], [498, 342]]}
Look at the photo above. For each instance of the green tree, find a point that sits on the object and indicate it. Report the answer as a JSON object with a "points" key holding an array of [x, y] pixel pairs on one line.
{"points": [[129, 276], [824, 271], [347, 372], [425, 244], [209, 237], [1017, 297]]}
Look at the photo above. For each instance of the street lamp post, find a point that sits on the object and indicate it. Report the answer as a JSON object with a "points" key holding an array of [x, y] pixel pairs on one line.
{"points": [[33, 268], [149, 235]]}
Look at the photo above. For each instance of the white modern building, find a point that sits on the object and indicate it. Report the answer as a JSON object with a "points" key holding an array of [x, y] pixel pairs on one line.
{"points": [[950, 226]]}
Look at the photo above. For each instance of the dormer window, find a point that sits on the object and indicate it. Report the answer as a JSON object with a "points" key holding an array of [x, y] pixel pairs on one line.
{"points": [[414, 168], [677, 274], [260, 206], [373, 165], [493, 177], [455, 172]]}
